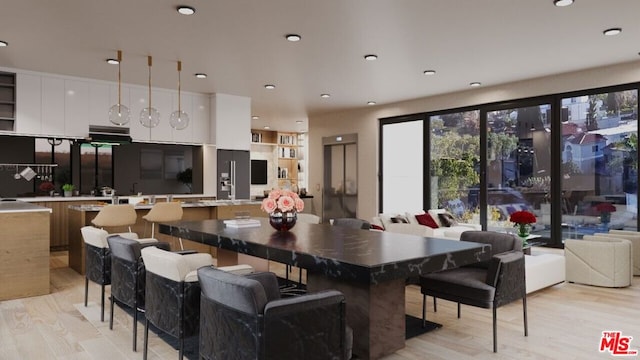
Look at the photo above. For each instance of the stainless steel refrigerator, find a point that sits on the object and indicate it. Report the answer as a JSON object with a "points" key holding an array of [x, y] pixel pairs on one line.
{"points": [[233, 174]]}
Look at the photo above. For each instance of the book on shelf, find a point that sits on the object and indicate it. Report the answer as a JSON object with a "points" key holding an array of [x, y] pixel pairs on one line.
{"points": [[242, 223]]}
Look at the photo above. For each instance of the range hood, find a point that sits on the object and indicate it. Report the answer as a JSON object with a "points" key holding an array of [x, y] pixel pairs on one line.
{"points": [[108, 135]]}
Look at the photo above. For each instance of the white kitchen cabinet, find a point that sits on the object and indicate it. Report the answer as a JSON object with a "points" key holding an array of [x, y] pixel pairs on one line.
{"points": [[99, 104], [138, 101], [76, 108], [200, 119], [29, 104], [231, 118], [161, 100], [53, 103], [185, 135]]}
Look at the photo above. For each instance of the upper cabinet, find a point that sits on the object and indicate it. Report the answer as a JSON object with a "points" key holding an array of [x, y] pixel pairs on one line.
{"points": [[29, 96], [51, 105], [7, 101]]}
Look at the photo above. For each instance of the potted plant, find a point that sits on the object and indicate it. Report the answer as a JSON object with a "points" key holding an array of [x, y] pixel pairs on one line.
{"points": [[68, 189], [186, 177]]}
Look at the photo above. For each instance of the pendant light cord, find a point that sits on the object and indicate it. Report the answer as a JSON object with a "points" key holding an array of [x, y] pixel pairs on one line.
{"points": [[179, 100], [119, 81], [150, 62]]}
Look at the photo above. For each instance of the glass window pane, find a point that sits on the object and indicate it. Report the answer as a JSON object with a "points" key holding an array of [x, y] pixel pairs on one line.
{"points": [[600, 163], [52, 151], [95, 167], [519, 167], [455, 158]]}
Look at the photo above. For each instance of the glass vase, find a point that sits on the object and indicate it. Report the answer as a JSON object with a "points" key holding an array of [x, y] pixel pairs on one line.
{"points": [[283, 221]]}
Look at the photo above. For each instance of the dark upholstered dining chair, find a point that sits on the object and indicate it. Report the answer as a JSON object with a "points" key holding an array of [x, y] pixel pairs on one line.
{"points": [[244, 318], [128, 276], [172, 296], [489, 284]]}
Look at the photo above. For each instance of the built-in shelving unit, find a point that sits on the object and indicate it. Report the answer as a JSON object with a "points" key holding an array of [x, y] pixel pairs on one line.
{"points": [[7, 101], [285, 153]]}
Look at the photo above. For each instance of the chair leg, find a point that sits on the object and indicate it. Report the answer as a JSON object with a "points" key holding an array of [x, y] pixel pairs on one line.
{"points": [[495, 330], [86, 290], [524, 309], [111, 313], [435, 308], [458, 310], [135, 327], [146, 339], [102, 305], [181, 350], [181, 245]]}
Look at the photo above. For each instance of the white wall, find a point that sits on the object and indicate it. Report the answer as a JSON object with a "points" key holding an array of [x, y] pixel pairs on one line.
{"points": [[364, 121]]}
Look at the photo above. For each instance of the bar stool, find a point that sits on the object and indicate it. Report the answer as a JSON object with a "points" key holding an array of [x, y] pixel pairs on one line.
{"points": [[301, 218], [112, 216], [164, 212]]}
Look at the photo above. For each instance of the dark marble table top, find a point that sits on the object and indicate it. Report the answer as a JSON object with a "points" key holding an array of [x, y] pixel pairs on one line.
{"points": [[349, 254]]}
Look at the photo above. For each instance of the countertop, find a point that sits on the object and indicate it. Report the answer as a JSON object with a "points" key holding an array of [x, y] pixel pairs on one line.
{"points": [[20, 207], [194, 204], [106, 198]]}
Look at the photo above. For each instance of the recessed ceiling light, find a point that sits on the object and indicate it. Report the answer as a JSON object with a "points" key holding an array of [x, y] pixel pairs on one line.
{"points": [[112, 61], [371, 102], [200, 75], [270, 86], [266, 128], [475, 83], [255, 117], [371, 57], [561, 3], [429, 72], [324, 96], [612, 31], [186, 10], [293, 37], [3, 43]]}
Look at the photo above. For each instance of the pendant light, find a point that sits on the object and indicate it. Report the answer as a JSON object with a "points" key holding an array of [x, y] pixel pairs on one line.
{"points": [[118, 113], [179, 120], [149, 116]]}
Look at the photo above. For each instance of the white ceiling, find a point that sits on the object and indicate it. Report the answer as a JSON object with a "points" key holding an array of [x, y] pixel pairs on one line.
{"points": [[240, 44]]}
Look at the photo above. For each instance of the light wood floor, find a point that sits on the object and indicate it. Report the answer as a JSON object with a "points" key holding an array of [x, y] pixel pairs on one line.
{"points": [[565, 322]]}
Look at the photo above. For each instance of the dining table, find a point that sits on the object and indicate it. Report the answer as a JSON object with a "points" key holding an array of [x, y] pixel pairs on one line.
{"points": [[371, 268]]}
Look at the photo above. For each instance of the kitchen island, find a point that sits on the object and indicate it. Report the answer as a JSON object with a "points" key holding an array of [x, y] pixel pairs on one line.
{"points": [[81, 215], [24, 250]]}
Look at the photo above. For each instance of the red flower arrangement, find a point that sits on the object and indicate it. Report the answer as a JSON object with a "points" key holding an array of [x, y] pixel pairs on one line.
{"points": [[523, 220], [46, 186], [605, 207], [522, 217]]}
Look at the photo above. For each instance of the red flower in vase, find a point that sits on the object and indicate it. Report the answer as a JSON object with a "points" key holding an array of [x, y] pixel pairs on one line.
{"points": [[522, 217], [605, 208]]}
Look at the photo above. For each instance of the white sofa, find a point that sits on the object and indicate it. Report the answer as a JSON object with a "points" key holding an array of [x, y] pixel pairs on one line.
{"points": [[411, 226], [543, 270]]}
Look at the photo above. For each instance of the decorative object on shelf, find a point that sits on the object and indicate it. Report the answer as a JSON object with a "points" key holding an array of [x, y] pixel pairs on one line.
{"points": [[179, 119], [118, 113], [523, 220], [149, 116], [68, 189], [282, 207], [605, 209]]}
